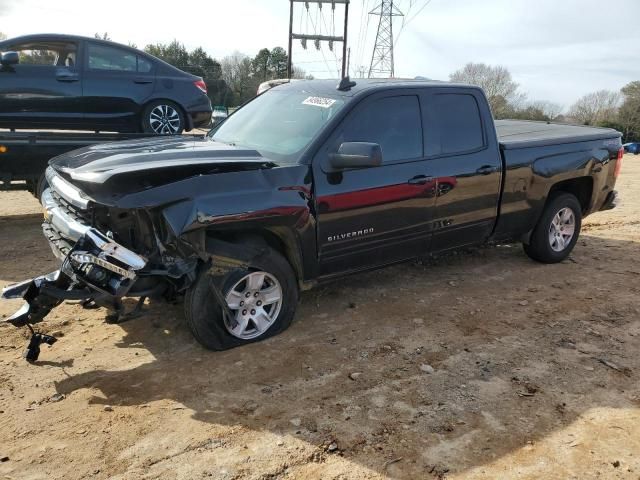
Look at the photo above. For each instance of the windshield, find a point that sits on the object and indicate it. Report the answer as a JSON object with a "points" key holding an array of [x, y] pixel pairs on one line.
{"points": [[278, 124]]}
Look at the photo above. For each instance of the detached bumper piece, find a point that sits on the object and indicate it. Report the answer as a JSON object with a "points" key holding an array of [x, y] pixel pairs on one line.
{"points": [[611, 201], [96, 268]]}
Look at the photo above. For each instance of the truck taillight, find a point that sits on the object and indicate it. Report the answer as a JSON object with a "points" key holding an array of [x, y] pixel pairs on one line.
{"points": [[201, 86], [616, 172]]}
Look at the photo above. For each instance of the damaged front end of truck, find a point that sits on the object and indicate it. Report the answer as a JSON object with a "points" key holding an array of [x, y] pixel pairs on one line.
{"points": [[141, 230]]}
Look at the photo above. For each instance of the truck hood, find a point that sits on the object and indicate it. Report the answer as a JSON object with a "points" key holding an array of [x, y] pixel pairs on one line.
{"points": [[155, 160]]}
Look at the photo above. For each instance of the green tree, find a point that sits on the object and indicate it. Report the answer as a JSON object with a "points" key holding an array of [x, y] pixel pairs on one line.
{"points": [[278, 62], [629, 113], [261, 63], [197, 62]]}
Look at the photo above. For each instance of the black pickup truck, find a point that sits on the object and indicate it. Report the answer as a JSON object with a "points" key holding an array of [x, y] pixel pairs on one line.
{"points": [[306, 183]]}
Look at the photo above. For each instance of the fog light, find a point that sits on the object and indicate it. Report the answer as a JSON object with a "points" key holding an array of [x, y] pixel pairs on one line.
{"points": [[3, 149]]}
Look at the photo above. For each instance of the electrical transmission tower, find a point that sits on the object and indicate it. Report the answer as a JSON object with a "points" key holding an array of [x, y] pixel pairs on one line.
{"points": [[303, 37], [382, 58]]}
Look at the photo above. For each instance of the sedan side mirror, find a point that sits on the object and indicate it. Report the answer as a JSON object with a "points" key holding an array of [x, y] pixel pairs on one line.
{"points": [[356, 155], [10, 58]]}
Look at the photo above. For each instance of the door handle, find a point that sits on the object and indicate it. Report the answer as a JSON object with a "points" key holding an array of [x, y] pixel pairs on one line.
{"points": [[419, 180], [486, 170], [142, 80], [70, 77]]}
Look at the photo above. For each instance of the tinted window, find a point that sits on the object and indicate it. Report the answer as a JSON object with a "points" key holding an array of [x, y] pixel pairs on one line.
{"points": [[44, 53], [108, 58], [144, 65], [454, 124], [393, 122]]}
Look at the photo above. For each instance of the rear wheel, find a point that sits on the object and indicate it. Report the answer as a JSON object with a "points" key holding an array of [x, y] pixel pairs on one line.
{"points": [[555, 235], [261, 301], [163, 117]]}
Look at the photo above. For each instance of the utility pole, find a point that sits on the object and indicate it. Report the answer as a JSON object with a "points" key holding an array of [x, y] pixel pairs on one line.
{"points": [[382, 58], [319, 38]]}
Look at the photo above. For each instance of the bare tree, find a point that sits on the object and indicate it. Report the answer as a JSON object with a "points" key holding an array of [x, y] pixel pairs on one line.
{"points": [[237, 72], [549, 109], [497, 83], [596, 107]]}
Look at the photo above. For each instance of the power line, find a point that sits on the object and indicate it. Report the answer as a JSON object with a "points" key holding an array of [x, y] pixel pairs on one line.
{"points": [[405, 23]]}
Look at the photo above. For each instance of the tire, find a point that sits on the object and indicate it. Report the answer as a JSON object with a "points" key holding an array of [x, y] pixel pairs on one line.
{"points": [[163, 117], [205, 317], [549, 244]]}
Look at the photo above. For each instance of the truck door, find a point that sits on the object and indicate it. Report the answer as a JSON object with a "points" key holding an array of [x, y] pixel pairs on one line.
{"points": [[117, 84], [44, 89], [376, 215], [465, 160]]}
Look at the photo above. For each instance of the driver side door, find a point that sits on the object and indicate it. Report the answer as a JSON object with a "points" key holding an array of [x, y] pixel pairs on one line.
{"points": [[376, 215]]}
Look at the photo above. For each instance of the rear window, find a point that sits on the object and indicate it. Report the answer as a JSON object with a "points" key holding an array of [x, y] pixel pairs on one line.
{"points": [[454, 124], [103, 57]]}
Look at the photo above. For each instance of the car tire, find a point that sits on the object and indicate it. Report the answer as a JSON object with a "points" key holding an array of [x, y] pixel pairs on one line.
{"points": [[211, 327], [557, 231], [163, 117]]}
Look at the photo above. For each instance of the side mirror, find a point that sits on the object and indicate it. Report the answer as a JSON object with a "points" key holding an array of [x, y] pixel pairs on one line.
{"points": [[10, 58], [356, 155]]}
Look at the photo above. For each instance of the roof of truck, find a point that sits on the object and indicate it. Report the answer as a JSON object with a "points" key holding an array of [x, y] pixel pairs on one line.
{"points": [[329, 86], [525, 133]]}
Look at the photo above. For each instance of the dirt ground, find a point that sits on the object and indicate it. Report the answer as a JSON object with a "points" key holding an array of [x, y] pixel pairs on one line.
{"points": [[482, 364]]}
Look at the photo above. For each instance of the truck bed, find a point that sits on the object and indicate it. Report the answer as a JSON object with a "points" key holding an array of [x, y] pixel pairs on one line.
{"points": [[524, 133]]}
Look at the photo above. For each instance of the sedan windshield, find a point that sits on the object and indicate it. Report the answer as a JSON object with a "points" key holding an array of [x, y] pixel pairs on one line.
{"points": [[278, 124]]}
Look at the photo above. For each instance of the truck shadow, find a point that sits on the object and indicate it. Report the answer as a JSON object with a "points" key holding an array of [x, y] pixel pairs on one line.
{"points": [[449, 364]]}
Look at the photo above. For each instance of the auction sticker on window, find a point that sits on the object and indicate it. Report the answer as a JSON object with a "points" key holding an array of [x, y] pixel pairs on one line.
{"points": [[319, 102]]}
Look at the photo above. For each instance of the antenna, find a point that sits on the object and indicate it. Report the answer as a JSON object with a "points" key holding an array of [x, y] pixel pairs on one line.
{"points": [[382, 58]]}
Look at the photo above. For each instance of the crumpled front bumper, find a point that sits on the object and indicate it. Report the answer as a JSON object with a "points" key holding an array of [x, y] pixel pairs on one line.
{"points": [[94, 266]]}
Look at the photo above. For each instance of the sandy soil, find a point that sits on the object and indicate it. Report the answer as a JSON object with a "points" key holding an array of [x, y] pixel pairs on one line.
{"points": [[479, 365]]}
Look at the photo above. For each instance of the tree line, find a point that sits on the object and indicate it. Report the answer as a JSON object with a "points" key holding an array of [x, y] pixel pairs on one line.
{"points": [[604, 108]]}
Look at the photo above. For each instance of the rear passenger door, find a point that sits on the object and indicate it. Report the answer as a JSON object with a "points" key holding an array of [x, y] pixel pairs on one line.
{"points": [[117, 83], [465, 160], [377, 215]]}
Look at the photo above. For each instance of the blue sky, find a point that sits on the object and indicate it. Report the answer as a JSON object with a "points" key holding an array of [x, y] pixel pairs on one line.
{"points": [[557, 50]]}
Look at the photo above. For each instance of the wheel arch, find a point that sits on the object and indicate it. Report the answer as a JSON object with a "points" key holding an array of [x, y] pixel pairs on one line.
{"points": [[579, 187], [281, 240]]}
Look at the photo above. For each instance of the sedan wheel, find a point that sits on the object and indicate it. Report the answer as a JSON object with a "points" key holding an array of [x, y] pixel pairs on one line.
{"points": [[165, 120]]}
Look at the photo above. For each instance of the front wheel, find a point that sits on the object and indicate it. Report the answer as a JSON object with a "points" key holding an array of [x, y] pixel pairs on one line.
{"points": [[162, 117], [262, 300], [557, 232]]}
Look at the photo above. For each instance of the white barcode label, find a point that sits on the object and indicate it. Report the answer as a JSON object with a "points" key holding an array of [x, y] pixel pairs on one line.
{"points": [[319, 102]]}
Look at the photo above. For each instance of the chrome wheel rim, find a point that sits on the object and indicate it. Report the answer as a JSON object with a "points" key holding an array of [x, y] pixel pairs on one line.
{"points": [[164, 120], [255, 302], [562, 229]]}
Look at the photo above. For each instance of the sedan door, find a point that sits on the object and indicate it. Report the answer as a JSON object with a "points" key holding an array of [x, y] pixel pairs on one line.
{"points": [[377, 215], [117, 84], [44, 90]]}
